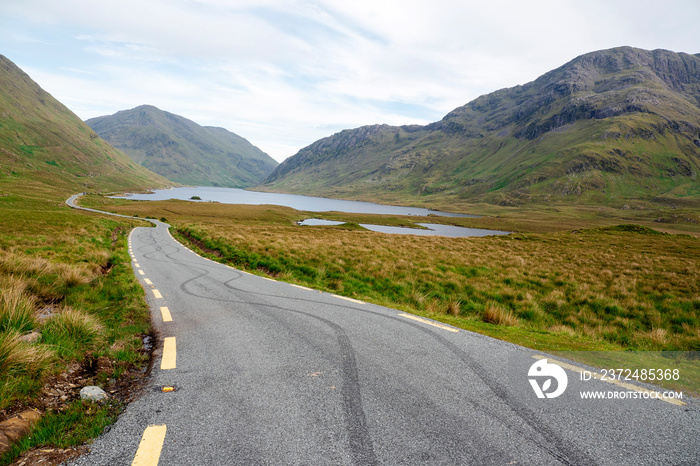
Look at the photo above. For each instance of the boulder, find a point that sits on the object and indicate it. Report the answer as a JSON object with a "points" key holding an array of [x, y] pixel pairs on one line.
{"points": [[93, 393]]}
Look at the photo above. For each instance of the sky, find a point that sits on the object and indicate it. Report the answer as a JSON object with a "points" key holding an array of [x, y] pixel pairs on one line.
{"points": [[284, 74]]}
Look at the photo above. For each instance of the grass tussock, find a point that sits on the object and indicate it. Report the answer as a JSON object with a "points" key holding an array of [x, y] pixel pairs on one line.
{"points": [[497, 315], [72, 331], [18, 357], [16, 306], [22, 366]]}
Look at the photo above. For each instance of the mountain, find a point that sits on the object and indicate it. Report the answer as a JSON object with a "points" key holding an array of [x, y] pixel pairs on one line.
{"points": [[609, 126], [44, 147], [183, 151]]}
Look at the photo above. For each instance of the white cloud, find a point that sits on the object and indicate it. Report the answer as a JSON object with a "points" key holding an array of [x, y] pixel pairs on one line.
{"points": [[285, 73]]}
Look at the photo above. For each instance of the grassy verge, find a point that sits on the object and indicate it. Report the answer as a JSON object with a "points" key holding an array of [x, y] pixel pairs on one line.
{"points": [[76, 424], [71, 314]]}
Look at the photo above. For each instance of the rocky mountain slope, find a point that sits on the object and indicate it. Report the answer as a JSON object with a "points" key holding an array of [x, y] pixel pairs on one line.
{"points": [[607, 127], [46, 147], [183, 151]]}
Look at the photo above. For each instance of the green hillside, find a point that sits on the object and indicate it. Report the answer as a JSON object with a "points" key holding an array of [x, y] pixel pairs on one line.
{"points": [[68, 295], [44, 147], [183, 151], [609, 127]]}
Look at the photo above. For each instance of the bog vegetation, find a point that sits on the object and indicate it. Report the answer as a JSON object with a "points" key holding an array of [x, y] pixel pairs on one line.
{"points": [[623, 286], [69, 305]]}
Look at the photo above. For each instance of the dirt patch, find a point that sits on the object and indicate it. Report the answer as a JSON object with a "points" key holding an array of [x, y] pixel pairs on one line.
{"points": [[115, 234], [49, 456]]}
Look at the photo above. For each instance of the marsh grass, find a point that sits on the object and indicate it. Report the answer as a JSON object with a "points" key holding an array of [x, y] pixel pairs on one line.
{"points": [[624, 287], [498, 315], [611, 286], [65, 276], [16, 306], [72, 332]]}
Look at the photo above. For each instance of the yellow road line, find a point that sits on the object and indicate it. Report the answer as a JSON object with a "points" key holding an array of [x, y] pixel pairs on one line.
{"points": [[349, 299], [157, 294], [142, 272], [619, 383], [169, 354], [301, 287], [148, 453], [136, 264], [148, 282], [430, 322], [165, 312]]}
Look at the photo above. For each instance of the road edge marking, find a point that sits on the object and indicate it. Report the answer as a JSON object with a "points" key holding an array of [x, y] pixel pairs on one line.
{"points": [[429, 322], [168, 361], [301, 287], [156, 293], [148, 452], [599, 376], [165, 312], [349, 299]]}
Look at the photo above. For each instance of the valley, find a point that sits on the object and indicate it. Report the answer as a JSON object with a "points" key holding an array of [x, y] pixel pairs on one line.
{"points": [[591, 168]]}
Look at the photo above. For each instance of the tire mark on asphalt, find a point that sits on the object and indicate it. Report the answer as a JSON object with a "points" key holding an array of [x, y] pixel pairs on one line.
{"points": [[553, 443], [196, 268], [560, 449], [360, 440]]}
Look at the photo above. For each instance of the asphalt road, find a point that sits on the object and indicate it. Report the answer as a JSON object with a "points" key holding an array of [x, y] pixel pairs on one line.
{"points": [[269, 373]]}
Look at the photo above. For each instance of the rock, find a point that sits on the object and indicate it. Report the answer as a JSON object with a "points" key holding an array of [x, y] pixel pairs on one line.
{"points": [[93, 393], [31, 337], [13, 429]]}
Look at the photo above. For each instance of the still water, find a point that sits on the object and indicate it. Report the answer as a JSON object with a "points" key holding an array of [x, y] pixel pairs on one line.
{"points": [[318, 204], [307, 203], [433, 229]]}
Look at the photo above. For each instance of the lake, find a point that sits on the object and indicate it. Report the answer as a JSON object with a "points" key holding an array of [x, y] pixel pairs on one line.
{"points": [[306, 203], [317, 204]]}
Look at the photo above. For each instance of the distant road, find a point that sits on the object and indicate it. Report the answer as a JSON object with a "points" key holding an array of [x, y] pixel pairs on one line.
{"points": [[268, 373]]}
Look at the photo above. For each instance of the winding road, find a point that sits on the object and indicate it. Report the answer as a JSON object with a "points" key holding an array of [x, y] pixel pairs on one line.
{"points": [[269, 373]]}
